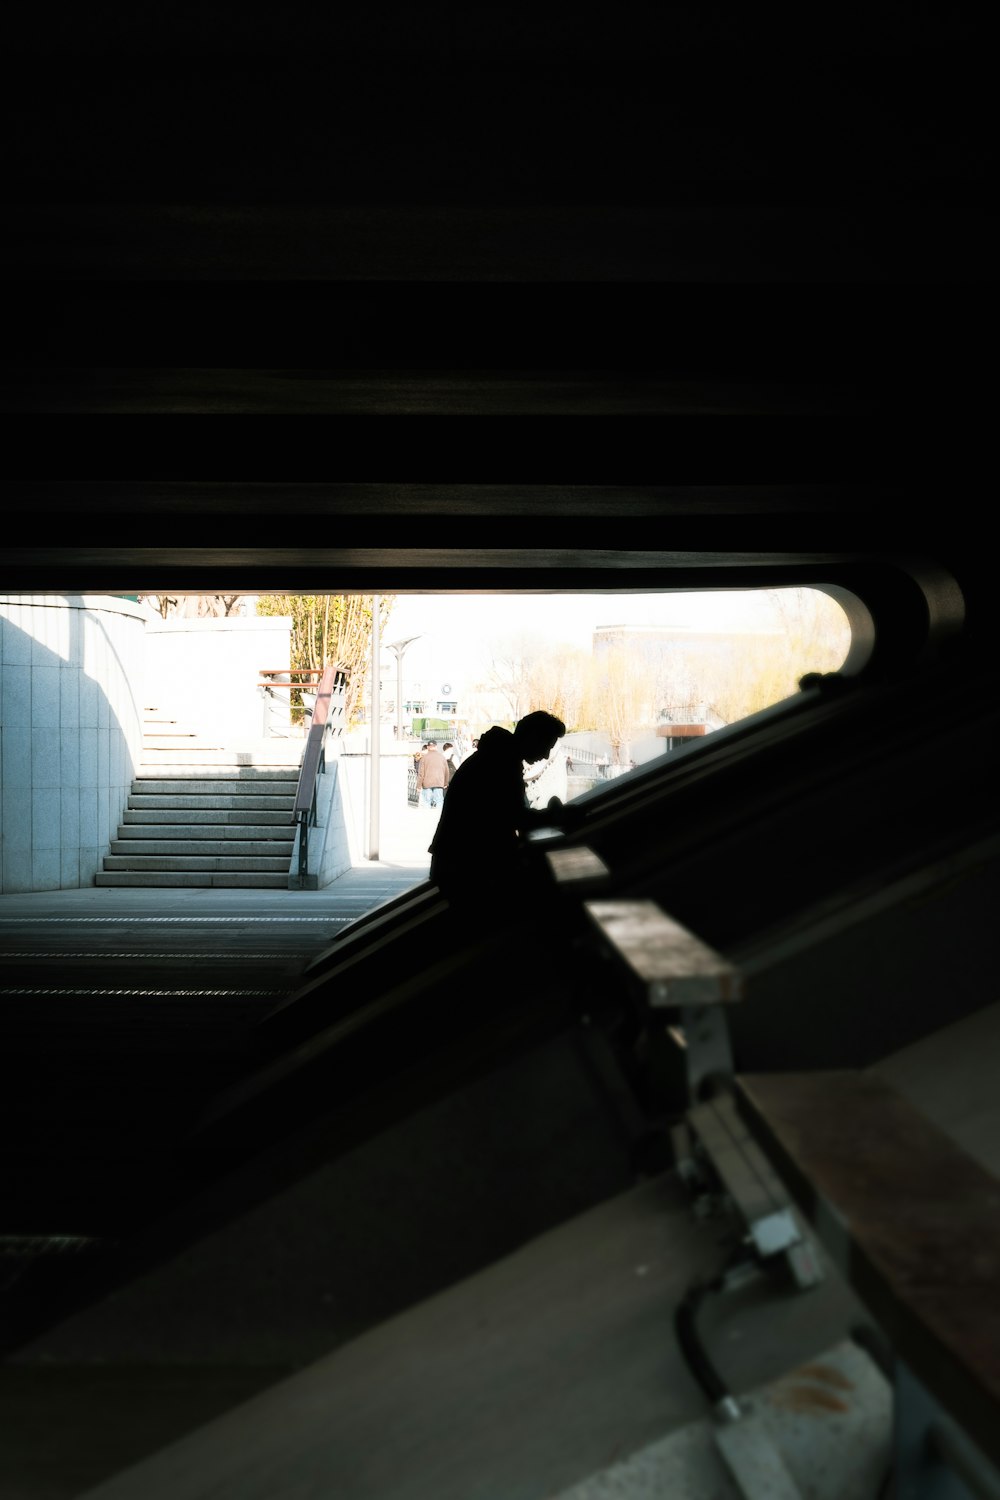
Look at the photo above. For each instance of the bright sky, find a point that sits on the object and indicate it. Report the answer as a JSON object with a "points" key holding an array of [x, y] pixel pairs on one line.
{"points": [[457, 630]]}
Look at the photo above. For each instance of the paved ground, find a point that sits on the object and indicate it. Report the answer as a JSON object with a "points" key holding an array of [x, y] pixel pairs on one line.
{"points": [[548, 1366], [287, 923]]}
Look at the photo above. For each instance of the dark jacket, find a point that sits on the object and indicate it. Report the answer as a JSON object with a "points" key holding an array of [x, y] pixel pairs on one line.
{"points": [[477, 844]]}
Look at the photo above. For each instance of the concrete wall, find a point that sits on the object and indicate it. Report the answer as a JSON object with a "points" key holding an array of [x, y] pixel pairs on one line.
{"points": [[355, 769], [70, 733], [78, 674], [205, 672], [328, 843]]}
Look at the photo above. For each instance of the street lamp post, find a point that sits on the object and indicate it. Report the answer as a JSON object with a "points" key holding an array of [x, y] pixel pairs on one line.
{"points": [[375, 738], [398, 649]]}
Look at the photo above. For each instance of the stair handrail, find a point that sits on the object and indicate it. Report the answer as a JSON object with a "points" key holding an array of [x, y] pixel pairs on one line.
{"points": [[275, 680], [327, 720]]}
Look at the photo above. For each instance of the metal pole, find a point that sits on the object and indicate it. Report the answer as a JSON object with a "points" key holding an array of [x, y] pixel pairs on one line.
{"points": [[375, 740], [399, 648]]}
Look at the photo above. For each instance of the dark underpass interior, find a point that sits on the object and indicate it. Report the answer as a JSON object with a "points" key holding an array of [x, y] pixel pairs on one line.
{"points": [[399, 1231], [254, 1191]]}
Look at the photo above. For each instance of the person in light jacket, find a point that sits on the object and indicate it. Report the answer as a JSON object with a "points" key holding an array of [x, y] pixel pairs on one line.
{"points": [[432, 777], [452, 756]]}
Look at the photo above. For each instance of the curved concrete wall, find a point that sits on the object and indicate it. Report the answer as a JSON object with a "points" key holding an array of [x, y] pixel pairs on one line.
{"points": [[71, 669]]}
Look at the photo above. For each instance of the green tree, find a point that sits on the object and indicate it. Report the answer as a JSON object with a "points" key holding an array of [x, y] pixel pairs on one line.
{"points": [[332, 629]]}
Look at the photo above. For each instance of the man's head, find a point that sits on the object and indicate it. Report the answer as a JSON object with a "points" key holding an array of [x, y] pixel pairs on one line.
{"points": [[536, 733], [447, 745]]}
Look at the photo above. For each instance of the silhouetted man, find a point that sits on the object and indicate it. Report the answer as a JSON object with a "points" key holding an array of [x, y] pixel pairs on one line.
{"points": [[477, 853]]}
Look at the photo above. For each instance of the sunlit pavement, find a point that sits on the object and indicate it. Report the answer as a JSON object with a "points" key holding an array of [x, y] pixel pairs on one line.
{"points": [[401, 862], [405, 834]]}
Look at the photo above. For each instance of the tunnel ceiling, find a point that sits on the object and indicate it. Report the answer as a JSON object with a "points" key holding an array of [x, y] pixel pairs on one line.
{"points": [[483, 256], [261, 536]]}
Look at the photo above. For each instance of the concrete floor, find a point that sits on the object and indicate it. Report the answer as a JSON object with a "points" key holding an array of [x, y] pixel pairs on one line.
{"points": [[403, 861], [552, 1368], [546, 1367], [555, 1372]]}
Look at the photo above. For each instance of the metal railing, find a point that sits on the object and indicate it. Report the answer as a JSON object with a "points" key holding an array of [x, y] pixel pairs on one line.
{"points": [[286, 691], [328, 719]]}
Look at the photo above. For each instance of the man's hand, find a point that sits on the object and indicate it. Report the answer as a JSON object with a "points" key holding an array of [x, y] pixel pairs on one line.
{"points": [[568, 816]]}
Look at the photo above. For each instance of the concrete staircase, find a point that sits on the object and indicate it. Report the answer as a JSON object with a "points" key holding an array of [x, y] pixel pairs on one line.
{"points": [[201, 813]]}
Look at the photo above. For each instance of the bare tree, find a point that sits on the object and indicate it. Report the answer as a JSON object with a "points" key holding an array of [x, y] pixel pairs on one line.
{"points": [[161, 603], [810, 633], [512, 671], [558, 683], [193, 606], [815, 627], [625, 683]]}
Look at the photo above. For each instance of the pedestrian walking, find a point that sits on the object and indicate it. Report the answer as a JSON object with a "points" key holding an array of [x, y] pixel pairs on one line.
{"points": [[451, 755], [432, 777]]}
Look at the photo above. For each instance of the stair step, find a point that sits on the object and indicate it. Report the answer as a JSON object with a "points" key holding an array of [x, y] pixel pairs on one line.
{"points": [[198, 755], [170, 739], [142, 803], [204, 814], [230, 786], [196, 862], [219, 880], [238, 834], [243, 848], [221, 817], [183, 776]]}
